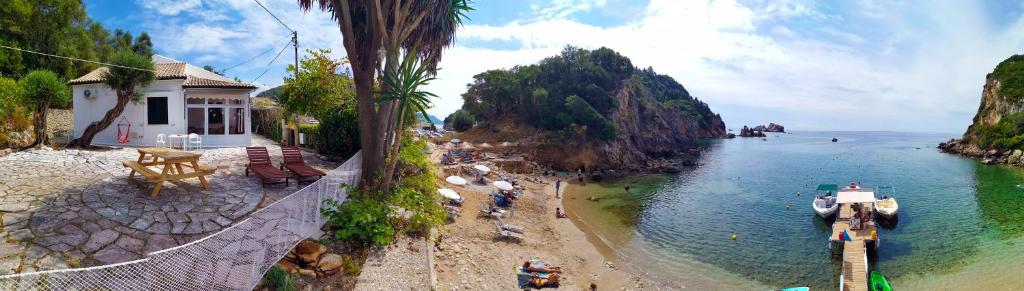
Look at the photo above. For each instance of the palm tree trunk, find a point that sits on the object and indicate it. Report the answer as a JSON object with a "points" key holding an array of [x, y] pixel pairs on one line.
{"points": [[389, 173], [123, 96]]}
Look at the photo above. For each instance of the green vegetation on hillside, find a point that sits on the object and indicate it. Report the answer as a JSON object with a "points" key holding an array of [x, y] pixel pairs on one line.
{"points": [[573, 91], [59, 27], [1010, 74], [272, 93], [1008, 133]]}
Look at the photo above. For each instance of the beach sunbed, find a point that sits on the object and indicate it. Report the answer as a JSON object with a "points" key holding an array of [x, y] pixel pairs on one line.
{"points": [[259, 163], [487, 210], [293, 162], [509, 227], [507, 234]]}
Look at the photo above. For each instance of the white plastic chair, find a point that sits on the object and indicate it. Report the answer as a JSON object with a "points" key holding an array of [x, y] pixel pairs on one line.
{"points": [[161, 140], [194, 140]]}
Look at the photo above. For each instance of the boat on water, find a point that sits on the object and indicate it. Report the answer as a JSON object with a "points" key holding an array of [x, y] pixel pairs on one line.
{"points": [[795, 289], [824, 202], [887, 206], [879, 282]]}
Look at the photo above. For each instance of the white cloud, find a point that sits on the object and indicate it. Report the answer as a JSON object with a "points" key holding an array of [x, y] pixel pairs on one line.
{"points": [[170, 7], [752, 69], [227, 32]]}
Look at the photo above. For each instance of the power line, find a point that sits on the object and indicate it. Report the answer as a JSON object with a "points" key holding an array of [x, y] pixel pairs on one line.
{"points": [[271, 63], [257, 56], [275, 16], [74, 59]]}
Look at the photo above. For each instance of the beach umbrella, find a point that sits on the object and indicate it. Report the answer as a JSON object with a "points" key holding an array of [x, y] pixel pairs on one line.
{"points": [[502, 185], [485, 145], [482, 168], [449, 193], [456, 180], [456, 141], [467, 145]]}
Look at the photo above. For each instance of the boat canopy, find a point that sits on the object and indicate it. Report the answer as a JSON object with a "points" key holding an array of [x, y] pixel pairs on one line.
{"points": [[828, 187], [855, 197]]}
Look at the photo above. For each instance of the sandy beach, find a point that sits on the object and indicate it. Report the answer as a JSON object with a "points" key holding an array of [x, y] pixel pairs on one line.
{"points": [[469, 256]]}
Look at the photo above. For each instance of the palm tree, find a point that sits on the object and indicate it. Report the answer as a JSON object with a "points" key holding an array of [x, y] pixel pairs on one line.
{"points": [[133, 71], [369, 26], [402, 89]]}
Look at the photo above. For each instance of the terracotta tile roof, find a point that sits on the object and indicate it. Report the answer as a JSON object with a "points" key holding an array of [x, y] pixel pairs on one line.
{"points": [[163, 72], [196, 82]]}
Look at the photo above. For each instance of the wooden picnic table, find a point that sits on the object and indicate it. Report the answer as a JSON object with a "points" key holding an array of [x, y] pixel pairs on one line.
{"points": [[173, 163]]}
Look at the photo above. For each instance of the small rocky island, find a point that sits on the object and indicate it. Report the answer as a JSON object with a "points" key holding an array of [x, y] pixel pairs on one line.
{"points": [[759, 131], [996, 136]]}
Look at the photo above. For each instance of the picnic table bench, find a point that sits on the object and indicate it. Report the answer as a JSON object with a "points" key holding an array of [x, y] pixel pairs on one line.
{"points": [[173, 163]]}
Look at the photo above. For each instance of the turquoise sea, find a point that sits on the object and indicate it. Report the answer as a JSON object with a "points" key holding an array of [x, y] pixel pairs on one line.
{"points": [[955, 213]]}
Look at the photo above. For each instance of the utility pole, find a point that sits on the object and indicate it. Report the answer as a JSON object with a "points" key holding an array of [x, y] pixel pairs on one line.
{"points": [[295, 42]]}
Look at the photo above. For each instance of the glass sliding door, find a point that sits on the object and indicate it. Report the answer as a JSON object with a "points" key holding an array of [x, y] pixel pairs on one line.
{"points": [[196, 121], [237, 121], [215, 121]]}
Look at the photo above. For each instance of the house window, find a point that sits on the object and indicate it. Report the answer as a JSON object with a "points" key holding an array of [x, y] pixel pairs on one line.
{"points": [[156, 110], [216, 115], [215, 121]]}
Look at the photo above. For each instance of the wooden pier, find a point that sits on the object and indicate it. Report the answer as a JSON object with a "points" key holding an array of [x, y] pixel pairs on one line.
{"points": [[855, 267], [854, 250]]}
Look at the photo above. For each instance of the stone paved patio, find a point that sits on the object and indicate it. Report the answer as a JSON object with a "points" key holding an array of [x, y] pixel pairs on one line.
{"points": [[72, 208]]}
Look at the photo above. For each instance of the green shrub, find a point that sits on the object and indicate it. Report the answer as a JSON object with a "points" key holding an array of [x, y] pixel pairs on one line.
{"points": [[279, 279], [360, 220], [10, 95], [338, 133], [267, 122], [417, 190], [1010, 74], [584, 114], [460, 120], [350, 265]]}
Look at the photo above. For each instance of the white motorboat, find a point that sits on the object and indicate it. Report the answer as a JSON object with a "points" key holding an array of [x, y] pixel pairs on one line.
{"points": [[887, 206], [824, 201]]}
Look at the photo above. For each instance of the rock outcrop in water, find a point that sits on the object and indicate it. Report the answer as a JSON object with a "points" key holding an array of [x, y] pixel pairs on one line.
{"points": [[997, 133], [752, 132]]}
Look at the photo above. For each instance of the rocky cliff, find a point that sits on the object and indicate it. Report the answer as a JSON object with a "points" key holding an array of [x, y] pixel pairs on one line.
{"points": [[650, 137], [997, 133]]}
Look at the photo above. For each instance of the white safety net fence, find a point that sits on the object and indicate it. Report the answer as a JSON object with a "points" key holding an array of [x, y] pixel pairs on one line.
{"points": [[234, 258]]}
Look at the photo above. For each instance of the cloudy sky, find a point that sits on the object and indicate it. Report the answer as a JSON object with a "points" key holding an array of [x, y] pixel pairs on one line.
{"points": [[812, 65]]}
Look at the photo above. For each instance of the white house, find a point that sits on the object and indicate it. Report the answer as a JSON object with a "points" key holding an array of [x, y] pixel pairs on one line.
{"points": [[184, 99]]}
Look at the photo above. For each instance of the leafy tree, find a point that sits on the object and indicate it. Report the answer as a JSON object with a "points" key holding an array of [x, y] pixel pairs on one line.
{"points": [[460, 120], [134, 72], [377, 32], [317, 87], [59, 27], [212, 69], [39, 89], [143, 45], [10, 96]]}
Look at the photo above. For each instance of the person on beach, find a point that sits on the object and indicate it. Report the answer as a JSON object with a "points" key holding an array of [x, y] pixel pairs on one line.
{"points": [[559, 213], [558, 185], [627, 187], [537, 282], [527, 266]]}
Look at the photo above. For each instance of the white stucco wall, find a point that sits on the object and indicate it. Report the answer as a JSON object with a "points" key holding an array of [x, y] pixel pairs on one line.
{"points": [[87, 111]]}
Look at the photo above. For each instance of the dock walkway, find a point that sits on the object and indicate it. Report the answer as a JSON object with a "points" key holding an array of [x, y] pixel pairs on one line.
{"points": [[855, 267], [855, 261]]}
